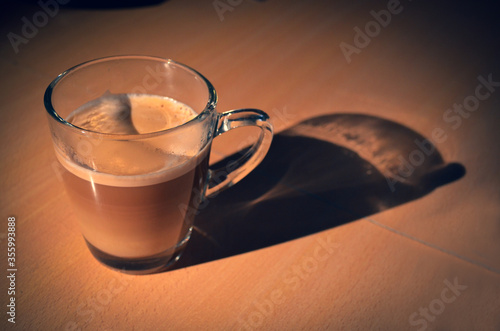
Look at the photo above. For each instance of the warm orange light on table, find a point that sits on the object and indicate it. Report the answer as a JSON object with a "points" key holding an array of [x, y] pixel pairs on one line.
{"points": [[428, 261]]}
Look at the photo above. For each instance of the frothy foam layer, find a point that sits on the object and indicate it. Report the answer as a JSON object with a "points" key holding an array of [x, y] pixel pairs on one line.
{"points": [[152, 114], [184, 165], [131, 114], [131, 163]]}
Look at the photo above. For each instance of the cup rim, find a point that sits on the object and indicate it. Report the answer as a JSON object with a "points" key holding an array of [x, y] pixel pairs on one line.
{"points": [[209, 107]]}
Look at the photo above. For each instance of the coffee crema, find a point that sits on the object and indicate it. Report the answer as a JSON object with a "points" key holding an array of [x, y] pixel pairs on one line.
{"points": [[131, 196]]}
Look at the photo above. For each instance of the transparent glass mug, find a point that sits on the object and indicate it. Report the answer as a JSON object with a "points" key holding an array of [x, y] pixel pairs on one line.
{"points": [[135, 192]]}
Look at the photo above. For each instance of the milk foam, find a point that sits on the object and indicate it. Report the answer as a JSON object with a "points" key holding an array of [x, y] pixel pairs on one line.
{"points": [[132, 180], [131, 114], [130, 163]]}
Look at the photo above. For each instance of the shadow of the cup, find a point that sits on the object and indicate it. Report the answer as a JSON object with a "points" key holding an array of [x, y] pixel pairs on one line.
{"points": [[318, 174]]}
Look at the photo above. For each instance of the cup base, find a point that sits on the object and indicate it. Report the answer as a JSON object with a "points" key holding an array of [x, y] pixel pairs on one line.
{"points": [[141, 266]]}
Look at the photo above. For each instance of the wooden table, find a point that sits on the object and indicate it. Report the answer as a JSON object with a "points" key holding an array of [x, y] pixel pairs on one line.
{"points": [[427, 258]]}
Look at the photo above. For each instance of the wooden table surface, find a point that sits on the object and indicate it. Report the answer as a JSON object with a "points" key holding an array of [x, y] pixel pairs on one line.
{"points": [[414, 252]]}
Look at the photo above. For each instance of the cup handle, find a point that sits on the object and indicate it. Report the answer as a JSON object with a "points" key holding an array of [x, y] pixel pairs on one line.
{"points": [[234, 170]]}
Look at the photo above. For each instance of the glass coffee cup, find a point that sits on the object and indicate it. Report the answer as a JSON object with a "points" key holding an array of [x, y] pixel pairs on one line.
{"points": [[133, 135]]}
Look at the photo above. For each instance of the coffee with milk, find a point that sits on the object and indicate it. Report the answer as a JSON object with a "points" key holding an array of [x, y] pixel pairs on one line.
{"points": [[132, 201]]}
